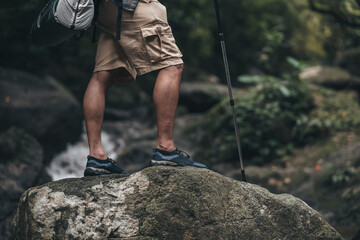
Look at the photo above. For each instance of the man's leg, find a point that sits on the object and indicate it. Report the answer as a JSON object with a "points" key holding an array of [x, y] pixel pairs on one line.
{"points": [[94, 107], [166, 95]]}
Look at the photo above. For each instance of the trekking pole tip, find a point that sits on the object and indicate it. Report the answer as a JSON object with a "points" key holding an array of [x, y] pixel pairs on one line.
{"points": [[243, 176]]}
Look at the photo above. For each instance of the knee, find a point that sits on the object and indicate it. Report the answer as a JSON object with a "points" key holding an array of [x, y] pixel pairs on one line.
{"points": [[100, 77], [179, 68], [103, 79], [176, 70]]}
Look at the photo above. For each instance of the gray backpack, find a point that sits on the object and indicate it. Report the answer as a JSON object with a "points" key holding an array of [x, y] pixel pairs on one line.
{"points": [[60, 20]]}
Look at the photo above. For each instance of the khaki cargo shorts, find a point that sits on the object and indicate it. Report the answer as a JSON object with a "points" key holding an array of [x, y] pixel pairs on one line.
{"points": [[146, 41]]}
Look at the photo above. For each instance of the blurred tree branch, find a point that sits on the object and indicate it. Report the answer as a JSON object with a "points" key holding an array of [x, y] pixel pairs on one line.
{"points": [[346, 12]]}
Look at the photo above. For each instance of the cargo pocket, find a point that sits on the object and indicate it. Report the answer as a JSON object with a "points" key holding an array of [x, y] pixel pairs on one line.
{"points": [[159, 42]]}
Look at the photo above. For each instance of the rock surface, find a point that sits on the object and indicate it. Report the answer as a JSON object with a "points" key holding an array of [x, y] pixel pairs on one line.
{"points": [[138, 140], [42, 107], [21, 166], [200, 97], [332, 77], [127, 101], [164, 203], [349, 60]]}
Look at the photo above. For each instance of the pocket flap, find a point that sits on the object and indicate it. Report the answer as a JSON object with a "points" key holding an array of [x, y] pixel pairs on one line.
{"points": [[150, 31], [156, 29]]}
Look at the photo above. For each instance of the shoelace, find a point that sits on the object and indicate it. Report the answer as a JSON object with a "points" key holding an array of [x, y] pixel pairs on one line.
{"points": [[182, 153], [111, 160]]}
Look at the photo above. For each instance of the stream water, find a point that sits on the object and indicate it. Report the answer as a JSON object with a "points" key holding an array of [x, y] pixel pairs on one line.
{"points": [[71, 162]]}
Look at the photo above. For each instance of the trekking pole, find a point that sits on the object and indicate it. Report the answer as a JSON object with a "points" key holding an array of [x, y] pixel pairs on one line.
{"points": [[227, 73]]}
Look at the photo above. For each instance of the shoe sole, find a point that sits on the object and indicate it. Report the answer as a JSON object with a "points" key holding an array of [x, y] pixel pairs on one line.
{"points": [[90, 171], [165, 163], [169, 163]]}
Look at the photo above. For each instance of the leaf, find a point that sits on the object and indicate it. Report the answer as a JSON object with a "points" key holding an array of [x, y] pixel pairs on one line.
{"points": [[284, 90], [249, 79], [293, 62]]}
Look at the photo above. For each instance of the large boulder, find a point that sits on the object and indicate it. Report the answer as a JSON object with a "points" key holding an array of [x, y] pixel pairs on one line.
{"points": [[349, 60], [200, 97], [21, 167], [331, 77], [164, 203], [127, 101], [40, 106]]}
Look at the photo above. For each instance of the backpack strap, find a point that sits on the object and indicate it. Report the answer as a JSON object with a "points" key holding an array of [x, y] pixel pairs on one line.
{"points": [[119, 4], [96, 13]]}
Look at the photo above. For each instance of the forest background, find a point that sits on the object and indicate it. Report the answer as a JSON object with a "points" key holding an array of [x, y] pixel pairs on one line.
{"points": [[259, 35]]}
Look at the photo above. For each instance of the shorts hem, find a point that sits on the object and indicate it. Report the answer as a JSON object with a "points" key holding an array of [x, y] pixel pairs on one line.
{"points": [[159, 65], [114, 66]]}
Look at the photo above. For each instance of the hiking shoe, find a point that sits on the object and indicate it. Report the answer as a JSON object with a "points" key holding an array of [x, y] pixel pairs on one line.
{"points": [[174, 158], [95, 166]]}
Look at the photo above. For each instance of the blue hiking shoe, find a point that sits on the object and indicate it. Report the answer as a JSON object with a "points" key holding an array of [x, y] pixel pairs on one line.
{"points": [[174, 158], [95, 166]]}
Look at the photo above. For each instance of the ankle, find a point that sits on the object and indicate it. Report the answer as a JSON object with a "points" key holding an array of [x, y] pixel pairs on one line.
{"points": [[100, 156], [168, 148]]}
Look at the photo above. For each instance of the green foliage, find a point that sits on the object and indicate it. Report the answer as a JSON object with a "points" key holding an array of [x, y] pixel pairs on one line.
{"points": [[339, 176], [192, 23], [333, 112], [344, 11], [274, 116], [258, 34]]}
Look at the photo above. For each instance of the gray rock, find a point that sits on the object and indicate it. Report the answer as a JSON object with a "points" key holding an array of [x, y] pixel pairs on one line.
{"points": [[113, 114], [164, 203], [21, 166], [127, 99], [138, 140], [136, 156], [357, 235], [40, 106], [200, 97], [349, 60], [332, 77], [131, 131]]}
